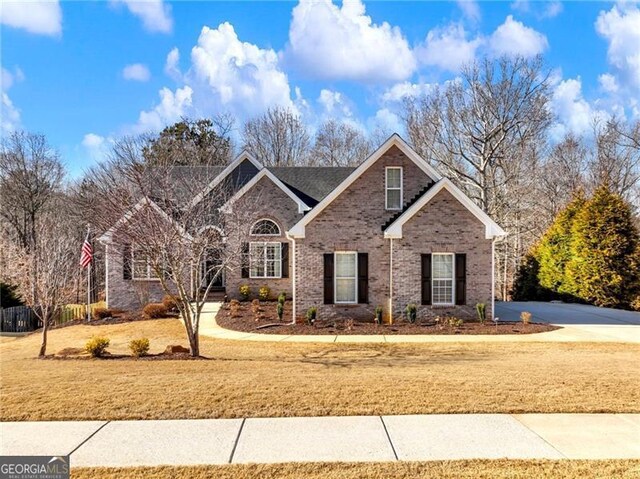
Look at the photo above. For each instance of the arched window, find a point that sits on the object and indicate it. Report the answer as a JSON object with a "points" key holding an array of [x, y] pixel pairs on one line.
{"points": [[265, 228]]}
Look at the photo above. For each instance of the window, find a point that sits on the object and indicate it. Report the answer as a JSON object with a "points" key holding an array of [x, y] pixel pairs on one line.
{"points": [[346, 277], [393, 187], [265, 228], [142, 268], [442, 278], [265, 260]]}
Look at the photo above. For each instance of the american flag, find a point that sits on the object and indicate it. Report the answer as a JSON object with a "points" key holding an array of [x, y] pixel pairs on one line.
{"points": [[87, 253]]}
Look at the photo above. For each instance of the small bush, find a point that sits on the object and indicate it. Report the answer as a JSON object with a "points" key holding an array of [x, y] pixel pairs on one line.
{"points": [[311, 315], [234, 307], [282, 297], [377, 318], [280, 310], [348, 324], [245, 292], [255, 306], [97, 346], [264, 293], [525, 317], [155, 310], [139, 347], [170, 302], [101, 313], [481, 309], [412, 312]]}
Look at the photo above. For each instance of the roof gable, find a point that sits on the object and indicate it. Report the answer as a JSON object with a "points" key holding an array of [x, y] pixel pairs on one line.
{"points": [[298, 230], [492, 229], [265, 173], [240, 170]]}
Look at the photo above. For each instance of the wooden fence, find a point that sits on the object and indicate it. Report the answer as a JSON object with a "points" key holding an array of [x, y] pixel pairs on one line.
{"points": [[21, 319]]}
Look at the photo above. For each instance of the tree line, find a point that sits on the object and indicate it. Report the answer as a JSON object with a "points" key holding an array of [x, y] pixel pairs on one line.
{"points": [[491, 130]]}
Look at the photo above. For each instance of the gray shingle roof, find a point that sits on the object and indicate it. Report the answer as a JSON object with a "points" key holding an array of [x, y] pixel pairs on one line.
{"points": [[311, 183]]}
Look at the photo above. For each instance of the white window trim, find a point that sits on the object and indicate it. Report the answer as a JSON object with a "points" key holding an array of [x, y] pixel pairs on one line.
{"points": [[279, 233], [453, 279], [265, 243], [394, 188], [151, 276], [335, 277]]}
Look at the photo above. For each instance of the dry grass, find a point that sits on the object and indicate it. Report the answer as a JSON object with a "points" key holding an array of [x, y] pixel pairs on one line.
{"points": [[243, 379], [476, 469]]}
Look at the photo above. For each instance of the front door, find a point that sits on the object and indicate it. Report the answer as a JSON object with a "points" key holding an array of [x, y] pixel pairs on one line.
{"points": [[212, 272]]}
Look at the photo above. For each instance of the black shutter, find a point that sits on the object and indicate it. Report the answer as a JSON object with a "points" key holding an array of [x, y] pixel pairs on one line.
{"points": [[363, 278], [285, 259], [126, 261], [245, 260], [426, 278], [328, 278], [461, 278]]}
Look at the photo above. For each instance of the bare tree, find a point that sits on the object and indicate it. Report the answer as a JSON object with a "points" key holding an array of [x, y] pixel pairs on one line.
{"points": [[45, 272], [176, 224], [339, 144], [278, 138], [616, 159], [473, 128], [31, 173]]}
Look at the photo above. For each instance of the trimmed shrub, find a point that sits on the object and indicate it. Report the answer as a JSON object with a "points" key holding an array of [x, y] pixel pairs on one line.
{"points": [[311, 315], [525, 316], [245, 292], [264, 293], [412, 312], [481, 309], [170, 302], [139, 347], [97, 346], [378, 315], [101, 313], [280, 310], [155, 310], [282, 297]]}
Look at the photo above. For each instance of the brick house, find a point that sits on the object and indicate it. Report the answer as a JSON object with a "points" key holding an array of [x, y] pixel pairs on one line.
{"points": [[388, 233]]}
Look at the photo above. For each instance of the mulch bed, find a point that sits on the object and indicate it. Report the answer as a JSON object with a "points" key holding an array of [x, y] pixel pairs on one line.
{"points": [[117, 318], [265, 321]]}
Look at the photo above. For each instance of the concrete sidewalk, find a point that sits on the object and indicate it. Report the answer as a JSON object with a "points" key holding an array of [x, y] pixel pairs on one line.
{"points": [[568, 333], [305, 439]]}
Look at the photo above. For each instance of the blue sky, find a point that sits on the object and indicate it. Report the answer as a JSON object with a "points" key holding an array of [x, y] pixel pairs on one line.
{"points": [[84, 73]]}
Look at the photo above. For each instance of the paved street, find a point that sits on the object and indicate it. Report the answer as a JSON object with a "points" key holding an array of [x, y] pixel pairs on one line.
{"points": [[303, 439]]}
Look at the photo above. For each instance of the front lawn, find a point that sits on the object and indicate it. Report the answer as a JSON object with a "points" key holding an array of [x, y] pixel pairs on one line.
{"points": [[241, 379], [471, 469]]}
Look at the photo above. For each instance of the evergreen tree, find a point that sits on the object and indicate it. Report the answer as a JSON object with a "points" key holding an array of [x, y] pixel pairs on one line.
{"points": [[526, 286], [9, 296], [554, 251], [603, 268]]}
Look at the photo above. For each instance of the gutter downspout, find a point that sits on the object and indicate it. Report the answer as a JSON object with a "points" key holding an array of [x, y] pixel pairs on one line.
{"points": [[493, 278], [293, 278], [390, 280]]}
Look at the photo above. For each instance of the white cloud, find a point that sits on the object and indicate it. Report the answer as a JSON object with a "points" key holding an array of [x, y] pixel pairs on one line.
{"points": [[328, 41], [552, 9], [91, 140], [155, 15], [39, 17], [226, 75], [136, 72], [334, 104], [608, 83], [171, 67], [385, 121], [171, 108], [96, 147], [620, 26], [574, 113], [514, 38], [399, 91], [470, 9], [9, 113], [448, 48]]}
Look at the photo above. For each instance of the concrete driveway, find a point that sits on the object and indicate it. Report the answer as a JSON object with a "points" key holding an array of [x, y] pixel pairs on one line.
{"points": [[609, 322]]}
